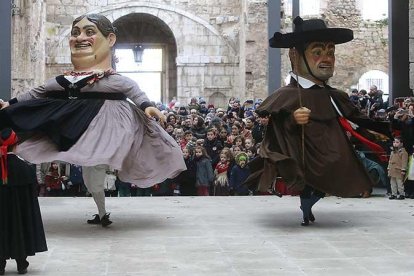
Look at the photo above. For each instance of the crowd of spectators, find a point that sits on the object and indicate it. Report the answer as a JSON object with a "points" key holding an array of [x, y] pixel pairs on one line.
{"points": [[217, 143], [216, 140]]}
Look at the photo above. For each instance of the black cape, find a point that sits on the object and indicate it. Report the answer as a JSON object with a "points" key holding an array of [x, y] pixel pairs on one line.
{"points": [[330, 163], [21, 226]]}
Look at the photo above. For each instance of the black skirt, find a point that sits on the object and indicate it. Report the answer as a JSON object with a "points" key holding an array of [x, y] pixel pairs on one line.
{"points": [[21, 226], [62, 120]]}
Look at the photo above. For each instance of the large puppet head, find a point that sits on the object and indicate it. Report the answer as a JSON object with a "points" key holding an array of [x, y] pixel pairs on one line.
{"points": [[91, 41], [312, 47]]}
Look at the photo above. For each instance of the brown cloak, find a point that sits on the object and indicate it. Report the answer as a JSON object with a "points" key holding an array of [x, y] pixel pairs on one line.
{"points": [[330, 163]]}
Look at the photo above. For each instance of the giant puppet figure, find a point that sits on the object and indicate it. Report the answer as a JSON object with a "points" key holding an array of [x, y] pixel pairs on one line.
{"points": [[305, 142], [83, 117]]}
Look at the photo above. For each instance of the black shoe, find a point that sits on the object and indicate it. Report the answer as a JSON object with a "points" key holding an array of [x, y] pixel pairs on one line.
{"points": [[105, 220], [311, 217], [401, 197], [22, 266], [95, 220], [305, 222], [392, 197], [412, 196]]}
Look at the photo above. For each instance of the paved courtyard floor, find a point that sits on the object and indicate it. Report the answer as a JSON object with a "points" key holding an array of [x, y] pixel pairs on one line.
{"points": [[258, 235]]}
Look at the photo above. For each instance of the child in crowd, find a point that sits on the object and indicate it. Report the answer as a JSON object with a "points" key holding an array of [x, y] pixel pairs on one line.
{"points": [[221, 181], [222, 137], [186, 180], [239, 174], [235, 131], [54, 181], [188, 136], [251, 153], [249, 143], [178, 134], [397, 168], [239, 142], [21, 231], [170, 129], [213, 146], [236, 150], [205, 174]]}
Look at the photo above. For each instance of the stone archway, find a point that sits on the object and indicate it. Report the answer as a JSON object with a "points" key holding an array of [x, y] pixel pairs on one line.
{"points": [[152, 33]]}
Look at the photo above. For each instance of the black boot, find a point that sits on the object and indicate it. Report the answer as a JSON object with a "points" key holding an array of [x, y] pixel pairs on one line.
{"points": [[95, 220], [2, 266], [305, 206], [313, 199], [22, 265], [105, 220]]}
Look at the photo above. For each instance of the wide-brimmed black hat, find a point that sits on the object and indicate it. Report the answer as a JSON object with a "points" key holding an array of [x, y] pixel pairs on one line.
{"points": [[310, 30]]}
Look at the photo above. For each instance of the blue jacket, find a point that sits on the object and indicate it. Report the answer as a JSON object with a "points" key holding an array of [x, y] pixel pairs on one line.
{"points": [[205, 174], [237, 177]]}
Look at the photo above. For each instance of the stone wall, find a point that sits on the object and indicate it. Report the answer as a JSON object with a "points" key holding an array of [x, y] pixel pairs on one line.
{"points": [[28, 47], [221, 45]]}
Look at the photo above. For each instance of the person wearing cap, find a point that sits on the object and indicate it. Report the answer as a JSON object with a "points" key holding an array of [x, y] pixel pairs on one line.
{"points": [[21, 230], [304, 142], [92, 116]]}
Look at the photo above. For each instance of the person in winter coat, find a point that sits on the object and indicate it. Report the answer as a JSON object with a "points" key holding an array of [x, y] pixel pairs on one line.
{"points": [[54, 181], [397, 168], [205, 174], [239, 173], [187, 179], [213, 146]]}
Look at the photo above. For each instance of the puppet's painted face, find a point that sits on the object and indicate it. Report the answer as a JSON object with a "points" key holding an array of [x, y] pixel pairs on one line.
{"points": [[321, 60], [90, 49]]}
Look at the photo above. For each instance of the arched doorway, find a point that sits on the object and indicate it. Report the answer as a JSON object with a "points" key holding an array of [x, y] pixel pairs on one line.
{"points": [[153, 64]]}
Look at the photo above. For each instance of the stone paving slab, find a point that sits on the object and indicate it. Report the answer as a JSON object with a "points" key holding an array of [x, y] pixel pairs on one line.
{"points": [[226, 236]]}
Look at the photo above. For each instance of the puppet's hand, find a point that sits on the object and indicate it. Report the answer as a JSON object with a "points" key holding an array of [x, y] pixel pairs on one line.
{"points": [[156, 113], [3, 104], [302, 115]]}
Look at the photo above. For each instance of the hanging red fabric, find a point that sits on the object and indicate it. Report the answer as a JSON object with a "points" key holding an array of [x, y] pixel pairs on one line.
{"points": [[11, 140], [377, 149]]}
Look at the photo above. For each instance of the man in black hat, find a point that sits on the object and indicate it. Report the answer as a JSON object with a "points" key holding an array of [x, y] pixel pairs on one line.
{"points": [[304, 142]]}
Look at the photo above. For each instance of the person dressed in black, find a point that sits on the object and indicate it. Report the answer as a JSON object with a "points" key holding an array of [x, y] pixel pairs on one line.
{"points": [[21, 231]]}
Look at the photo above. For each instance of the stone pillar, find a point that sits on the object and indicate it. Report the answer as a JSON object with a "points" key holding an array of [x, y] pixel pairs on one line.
{"points": [[28, 44], [5, 50], [274, 58], [398, 49]]}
